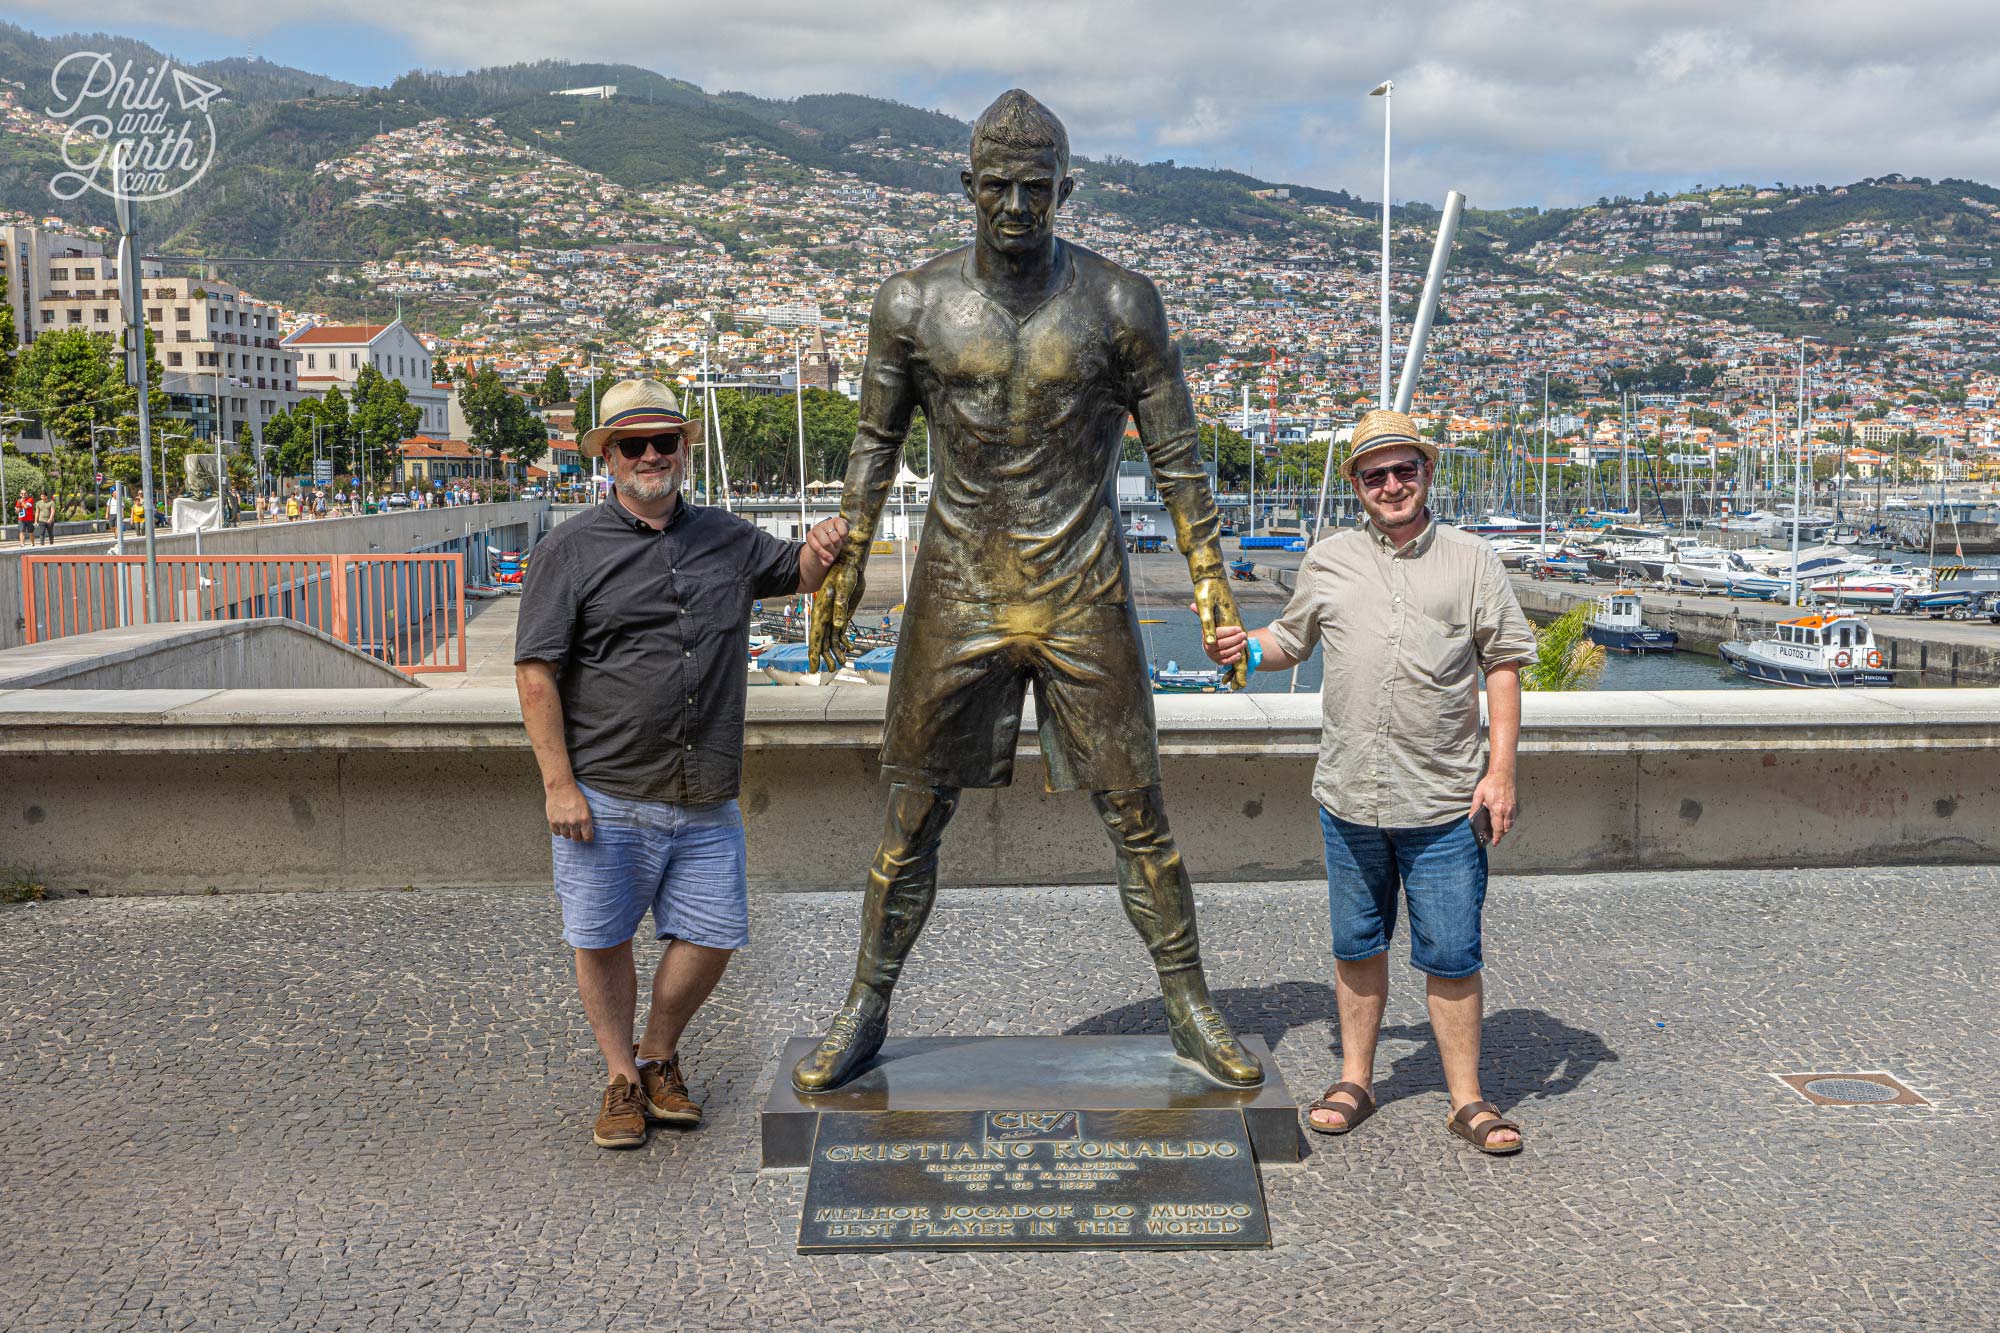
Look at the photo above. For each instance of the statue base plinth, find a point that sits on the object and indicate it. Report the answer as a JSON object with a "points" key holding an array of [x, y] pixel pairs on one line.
{"points": [[1119, 1073]]}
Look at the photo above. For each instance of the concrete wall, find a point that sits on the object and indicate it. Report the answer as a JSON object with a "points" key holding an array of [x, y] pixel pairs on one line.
{"points": [[176, 791], [265, 654], [515, 526]]}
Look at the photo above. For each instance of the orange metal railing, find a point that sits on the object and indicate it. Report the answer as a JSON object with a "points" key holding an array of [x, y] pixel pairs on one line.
{"points": [[408, 610]]}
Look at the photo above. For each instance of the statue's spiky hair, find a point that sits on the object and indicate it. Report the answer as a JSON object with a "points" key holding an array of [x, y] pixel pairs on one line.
{"points": [[1017, 120]]}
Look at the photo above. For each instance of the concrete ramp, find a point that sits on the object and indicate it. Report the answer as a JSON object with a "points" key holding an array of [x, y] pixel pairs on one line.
{"points": [[264, 654]]}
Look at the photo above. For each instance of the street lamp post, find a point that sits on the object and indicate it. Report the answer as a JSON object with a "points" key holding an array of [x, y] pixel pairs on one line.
{"points": [[96, 487], [129, 264], [1386, 91]]}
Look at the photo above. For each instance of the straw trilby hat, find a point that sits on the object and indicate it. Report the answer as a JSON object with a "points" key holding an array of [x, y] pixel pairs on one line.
{"points": [[1381, 429], [632, 407]]}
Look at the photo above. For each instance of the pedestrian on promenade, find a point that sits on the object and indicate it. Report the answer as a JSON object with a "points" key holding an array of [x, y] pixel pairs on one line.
{"points": [[1411, 613], [24, 515], [45, 519], [634, 627]]}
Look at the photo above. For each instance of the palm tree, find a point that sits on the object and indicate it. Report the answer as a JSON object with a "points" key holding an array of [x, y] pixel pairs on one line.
{"points": [[1565, 658]]}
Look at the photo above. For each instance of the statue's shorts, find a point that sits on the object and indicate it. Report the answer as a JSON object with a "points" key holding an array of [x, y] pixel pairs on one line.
{"points": [[962, 669]]}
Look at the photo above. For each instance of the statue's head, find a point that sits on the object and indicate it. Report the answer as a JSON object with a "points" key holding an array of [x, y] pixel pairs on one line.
{"points": [[1020, 173]]}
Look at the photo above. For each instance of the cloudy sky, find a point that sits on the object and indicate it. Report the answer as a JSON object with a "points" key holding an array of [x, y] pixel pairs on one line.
{"points": [[1512, 101]]}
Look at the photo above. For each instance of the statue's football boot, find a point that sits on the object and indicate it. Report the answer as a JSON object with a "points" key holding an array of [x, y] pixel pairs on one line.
{"points": [[850, 1042], [1203, 1039]]}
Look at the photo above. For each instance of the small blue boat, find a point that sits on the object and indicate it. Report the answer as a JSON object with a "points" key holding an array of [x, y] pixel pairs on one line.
{"points": [[875, 665], [1173, 680], [1616, 623], [785, 664]]}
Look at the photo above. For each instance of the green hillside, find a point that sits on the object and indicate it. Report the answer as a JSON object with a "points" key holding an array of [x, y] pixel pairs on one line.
{"points": [[275, 124]]}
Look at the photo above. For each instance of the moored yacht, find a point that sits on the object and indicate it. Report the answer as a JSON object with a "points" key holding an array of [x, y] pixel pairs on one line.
{"points": [[1618, 623], [1816, 650]]}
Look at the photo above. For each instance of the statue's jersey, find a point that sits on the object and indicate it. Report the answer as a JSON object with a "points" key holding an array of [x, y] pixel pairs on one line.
{"points": [[1027, 416]]}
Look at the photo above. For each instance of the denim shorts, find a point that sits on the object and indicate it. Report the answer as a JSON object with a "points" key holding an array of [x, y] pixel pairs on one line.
{"points": [[686, 864], [1442, 873]]}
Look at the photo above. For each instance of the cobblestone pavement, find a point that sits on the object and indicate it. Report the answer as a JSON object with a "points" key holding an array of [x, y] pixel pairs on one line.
{"points": [[372, 1111]]}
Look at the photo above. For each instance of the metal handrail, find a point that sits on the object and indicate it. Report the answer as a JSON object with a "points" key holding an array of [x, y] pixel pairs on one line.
{"points": [[406, 608]]}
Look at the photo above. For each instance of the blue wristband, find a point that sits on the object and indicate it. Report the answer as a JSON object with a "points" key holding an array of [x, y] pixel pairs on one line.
{"points": [[1256, 654]]}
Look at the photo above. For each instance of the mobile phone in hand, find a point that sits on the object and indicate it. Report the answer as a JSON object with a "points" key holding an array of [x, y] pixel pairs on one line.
{"points": [[1482, 826]]}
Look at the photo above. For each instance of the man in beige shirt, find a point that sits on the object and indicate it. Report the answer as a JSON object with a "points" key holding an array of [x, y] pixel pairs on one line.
{"points": [[1411, 614]]}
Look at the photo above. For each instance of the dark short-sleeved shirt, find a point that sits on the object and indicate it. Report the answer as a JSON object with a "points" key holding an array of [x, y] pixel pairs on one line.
{"points": [[649, 632]]}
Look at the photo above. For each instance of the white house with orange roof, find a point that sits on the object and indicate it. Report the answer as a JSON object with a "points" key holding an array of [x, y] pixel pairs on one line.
{"points": [[333, 354]]}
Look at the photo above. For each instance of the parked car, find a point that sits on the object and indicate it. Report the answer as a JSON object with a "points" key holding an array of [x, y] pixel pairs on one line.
{"points": [[397, 501]]}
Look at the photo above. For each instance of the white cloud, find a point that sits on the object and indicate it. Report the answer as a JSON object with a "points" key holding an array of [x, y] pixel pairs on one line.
{"points": [[1514, 101]]}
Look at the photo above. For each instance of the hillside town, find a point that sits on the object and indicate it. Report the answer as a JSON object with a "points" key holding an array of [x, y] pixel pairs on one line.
{"points": [[1667, 321]]}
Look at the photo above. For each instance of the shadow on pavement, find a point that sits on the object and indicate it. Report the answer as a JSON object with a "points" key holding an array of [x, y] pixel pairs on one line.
{"points": [[1527, 1054]]}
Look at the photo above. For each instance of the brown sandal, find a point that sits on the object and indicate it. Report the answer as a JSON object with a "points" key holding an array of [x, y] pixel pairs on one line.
{"points": [[1364, 1106], [1461, 1125]]}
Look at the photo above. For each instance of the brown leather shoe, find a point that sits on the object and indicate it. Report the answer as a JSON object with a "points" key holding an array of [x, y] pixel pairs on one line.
{"points": [[622, 1122], [667, 1100]]}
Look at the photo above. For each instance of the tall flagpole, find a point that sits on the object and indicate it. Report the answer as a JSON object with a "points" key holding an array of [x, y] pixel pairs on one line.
{"points": [[1252, 443], [1386, 91], [799, 398], [1544, 488]]}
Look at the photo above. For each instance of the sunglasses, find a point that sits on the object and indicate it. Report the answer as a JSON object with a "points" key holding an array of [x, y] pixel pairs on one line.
{"points": [[634, 446], [1374, 478]]}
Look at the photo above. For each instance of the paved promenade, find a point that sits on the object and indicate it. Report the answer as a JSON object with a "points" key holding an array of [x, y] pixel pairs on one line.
{"points": [[372, 1111]]}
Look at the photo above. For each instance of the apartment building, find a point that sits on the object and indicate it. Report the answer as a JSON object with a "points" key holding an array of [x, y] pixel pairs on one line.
{"points": [[223, 361], [333, 354]]}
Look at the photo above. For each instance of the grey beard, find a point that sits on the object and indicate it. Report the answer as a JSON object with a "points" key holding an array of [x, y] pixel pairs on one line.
{"points": [[637, 488]]}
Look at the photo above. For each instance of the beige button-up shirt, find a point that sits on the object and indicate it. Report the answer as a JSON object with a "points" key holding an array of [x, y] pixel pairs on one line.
{"points": [[1407, 631]]}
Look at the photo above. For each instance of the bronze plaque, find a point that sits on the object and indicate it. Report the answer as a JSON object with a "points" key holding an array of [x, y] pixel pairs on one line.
{"points": [[1032, 1180]]}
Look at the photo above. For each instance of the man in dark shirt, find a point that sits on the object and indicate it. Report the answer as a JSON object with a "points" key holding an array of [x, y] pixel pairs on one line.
{"points": [[630, 660]]}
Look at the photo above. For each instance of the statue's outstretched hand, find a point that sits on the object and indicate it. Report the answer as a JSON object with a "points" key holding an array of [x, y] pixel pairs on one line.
{"points": [[833, 608], [1217, 609]]}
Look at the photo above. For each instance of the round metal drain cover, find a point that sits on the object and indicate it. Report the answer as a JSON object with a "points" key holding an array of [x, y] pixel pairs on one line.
{"points": [[1851, 1090]]}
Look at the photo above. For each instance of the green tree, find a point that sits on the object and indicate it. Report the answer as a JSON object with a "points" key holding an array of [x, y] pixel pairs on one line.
{"points": [[1565, 658], [8, 355], [278, 435], [831, 419], [1230, 453], [524, 437], [757, 432], [555, 387], [590, 403], [384, 417], [67, 379], [482, 398], [336, 429], [64, 379], [22, 476]]}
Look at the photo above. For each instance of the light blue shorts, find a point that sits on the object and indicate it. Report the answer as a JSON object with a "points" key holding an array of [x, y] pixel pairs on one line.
{"points": [[1441, 871], [686, 864]]}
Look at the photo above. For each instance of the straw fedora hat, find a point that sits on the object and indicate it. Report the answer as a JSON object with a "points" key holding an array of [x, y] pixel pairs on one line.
{"points": [[1382, 429], [632, 407]]}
